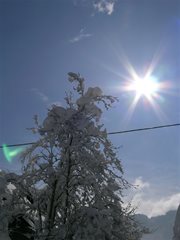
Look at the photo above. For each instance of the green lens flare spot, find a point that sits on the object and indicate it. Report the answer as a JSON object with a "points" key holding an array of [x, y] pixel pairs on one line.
{"points": [[9, 154]]}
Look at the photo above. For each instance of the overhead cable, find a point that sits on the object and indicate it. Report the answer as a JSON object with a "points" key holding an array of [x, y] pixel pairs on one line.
{"points": [[110, 133]]}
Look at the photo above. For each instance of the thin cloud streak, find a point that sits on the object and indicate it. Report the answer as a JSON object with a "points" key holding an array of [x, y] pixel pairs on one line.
{"points": [[43, 97], [82, 35]]}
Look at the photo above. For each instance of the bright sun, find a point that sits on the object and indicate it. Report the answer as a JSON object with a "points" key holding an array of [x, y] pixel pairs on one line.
{"points": [[146, 86]]}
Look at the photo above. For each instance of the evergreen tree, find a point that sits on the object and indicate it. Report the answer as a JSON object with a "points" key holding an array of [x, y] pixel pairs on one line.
{"points": [[73, 180]]}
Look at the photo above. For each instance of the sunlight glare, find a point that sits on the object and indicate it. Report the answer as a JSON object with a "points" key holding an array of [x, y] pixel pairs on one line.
{"points": [[146, 86]]}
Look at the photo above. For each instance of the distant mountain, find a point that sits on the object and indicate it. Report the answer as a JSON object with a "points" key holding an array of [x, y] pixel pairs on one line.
{"points": [[177, 225], [161, 227]]}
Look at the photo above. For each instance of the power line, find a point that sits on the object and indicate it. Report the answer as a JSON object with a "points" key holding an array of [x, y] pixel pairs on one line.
{"points": [[18, 144], [110, 133], [145, 129]]}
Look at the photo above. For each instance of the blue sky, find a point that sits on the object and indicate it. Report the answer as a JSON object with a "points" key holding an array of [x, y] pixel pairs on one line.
{"points": [[42, 40]]}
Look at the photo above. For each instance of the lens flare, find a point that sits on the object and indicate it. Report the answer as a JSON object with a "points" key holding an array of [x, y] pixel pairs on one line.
{"points": [[9, 154]]}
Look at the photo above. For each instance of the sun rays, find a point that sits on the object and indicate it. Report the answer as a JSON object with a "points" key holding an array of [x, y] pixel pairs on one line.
{"points": [[144, 87]]}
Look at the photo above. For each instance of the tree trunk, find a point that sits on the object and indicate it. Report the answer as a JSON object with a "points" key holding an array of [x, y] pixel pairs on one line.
{"points": [[69, 165], [52, 209]]}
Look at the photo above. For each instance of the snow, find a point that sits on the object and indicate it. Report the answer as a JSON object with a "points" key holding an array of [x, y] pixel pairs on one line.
{"points": [[93, 92]]}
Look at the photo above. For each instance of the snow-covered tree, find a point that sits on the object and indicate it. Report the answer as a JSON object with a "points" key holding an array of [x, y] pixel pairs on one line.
{"points": [[73, 182], [5, 199], [14, 225]]}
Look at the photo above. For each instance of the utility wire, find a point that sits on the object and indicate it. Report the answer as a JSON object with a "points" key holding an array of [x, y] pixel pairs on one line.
{"points": [[110, 133], [18, 144], [145, 129]]}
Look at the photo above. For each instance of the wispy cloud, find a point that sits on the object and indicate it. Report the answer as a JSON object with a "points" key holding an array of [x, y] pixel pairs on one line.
{"points": [[140, 184], [104, 6], [42, 96], [82, 35], [151, 206]]}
